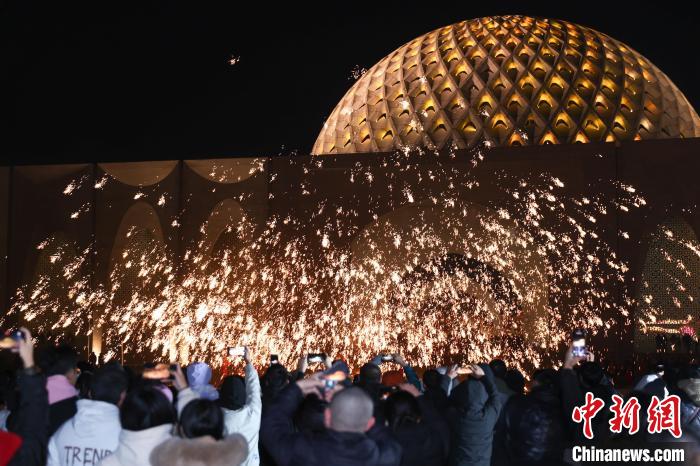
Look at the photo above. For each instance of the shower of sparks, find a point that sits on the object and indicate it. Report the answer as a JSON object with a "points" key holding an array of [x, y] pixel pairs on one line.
{"points": [[357, 72], [451, 282]]}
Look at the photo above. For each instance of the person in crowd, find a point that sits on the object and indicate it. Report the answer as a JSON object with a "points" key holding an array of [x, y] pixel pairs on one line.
{"points": [[199, 378], [530, 431], [147, 419], [499, 369], [241, 403], [422, 433], [60, 364], [477, 404], [93, 433], [83, 384], [273, 381], [433, 393], [25, 443], [515, 381], [201, 439], [351, 437], [6, 390], [689, 388], [310, 416], [653, 383]]}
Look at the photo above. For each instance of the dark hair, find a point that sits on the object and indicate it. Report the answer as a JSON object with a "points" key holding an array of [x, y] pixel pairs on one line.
{"points": [[499, 368], [202, 417], [58, 360], [515, 381], [146, 407], [545, 377], [432, 378], [402, 408], [83, 384], [108, 384], [232, 392], [370, 373], [273, 381], [591, 373]]}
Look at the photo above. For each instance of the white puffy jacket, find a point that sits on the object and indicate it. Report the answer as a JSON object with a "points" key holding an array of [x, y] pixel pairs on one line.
{"points": [[87, 437], [246, 421]]}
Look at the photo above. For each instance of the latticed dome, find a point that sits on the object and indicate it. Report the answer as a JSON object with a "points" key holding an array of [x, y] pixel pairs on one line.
{"points": [[512, 80]]}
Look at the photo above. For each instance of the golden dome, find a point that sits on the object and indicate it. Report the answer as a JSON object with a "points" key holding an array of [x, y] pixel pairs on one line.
{"points": [[512, 80]]}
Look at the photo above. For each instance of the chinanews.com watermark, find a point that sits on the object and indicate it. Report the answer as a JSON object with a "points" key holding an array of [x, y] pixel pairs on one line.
{"points": [[580, 454], [662, 416]]}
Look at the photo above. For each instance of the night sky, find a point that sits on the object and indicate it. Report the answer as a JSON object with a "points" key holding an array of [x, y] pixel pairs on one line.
{"points": [[121, 80]]}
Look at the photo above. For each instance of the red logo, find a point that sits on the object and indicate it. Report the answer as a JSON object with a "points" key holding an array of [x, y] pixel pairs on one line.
{"points": [[624, 415], [661, 415], [587, 412], [665, 415]]}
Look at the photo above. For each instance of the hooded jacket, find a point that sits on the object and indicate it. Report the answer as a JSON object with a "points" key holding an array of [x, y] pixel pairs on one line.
{"points": [[246, 420], [203, 451], [92, 434], [330, 448], [199, 376], [476, 407]]}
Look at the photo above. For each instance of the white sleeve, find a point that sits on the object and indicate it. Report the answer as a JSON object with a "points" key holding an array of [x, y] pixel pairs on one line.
{"points": [[53, 458], [253, 401], [184, 396]]}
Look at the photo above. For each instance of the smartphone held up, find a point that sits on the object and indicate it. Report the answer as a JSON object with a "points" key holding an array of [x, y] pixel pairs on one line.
{"points": [[578, 342], [315, 358], [11, 339]]}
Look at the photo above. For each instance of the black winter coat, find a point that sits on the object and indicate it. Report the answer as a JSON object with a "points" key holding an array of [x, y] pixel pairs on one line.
{"points": [[31, 421], [60, 412], [290, 448], [426, 443], [533, 429], [476, 405]]}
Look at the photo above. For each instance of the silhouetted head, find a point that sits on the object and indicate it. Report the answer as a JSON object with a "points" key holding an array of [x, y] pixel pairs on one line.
{"points": [[515, 381], [402, 409], [370, 373], [146, 407], [232, 392], [351, 410], [432, 379], [499, 368], [200, 418], [591, 373], [60, 360]]}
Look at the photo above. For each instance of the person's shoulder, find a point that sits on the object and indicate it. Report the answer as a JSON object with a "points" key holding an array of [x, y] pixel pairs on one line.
{"points": [[232, 450]]}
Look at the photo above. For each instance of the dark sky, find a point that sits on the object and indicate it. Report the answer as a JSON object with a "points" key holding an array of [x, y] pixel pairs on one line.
{"points": [[106, 80]]}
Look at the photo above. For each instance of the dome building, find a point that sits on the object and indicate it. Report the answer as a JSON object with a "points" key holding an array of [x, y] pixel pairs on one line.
{"points": [[510, 80]]}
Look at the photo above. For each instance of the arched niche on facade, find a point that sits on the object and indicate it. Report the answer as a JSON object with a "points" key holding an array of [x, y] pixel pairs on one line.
{"points": [[668, 290]]}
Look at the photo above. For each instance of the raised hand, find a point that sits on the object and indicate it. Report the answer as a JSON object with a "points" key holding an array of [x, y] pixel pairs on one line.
{"points": [[179, 379], [25, 348]]}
